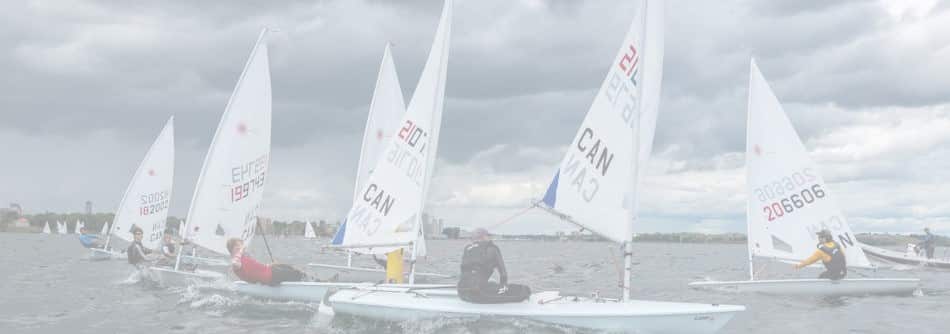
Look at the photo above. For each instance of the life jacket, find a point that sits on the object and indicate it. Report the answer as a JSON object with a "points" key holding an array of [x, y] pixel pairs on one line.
{"points": [[252, 271], [838, 262]]}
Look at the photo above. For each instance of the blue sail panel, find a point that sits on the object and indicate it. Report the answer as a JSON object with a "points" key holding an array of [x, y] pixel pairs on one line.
{"points": [[550, 196], [338, 237]]}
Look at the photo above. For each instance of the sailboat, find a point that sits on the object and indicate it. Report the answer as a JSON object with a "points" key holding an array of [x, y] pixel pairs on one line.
{"points": [[46, 229], [230, 190], [308, 232], [613, 119], [909, 257], [411, 139], [383, 122], [78, 227], [146, 199], [105, 228], [788, 202], [61, 228]]}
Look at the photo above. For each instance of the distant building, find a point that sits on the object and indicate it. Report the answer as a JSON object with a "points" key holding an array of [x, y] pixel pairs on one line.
{"points": [[432, 226], [88, 208]]}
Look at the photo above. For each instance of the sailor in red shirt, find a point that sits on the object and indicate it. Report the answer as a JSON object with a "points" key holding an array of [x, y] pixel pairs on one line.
{"points": [[251, 271]]}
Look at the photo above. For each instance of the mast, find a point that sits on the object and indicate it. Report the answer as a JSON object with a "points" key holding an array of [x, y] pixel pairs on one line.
{"points": [[748, 223]]}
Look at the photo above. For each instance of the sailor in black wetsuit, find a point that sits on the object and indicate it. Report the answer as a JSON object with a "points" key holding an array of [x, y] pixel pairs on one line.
{"points": [[138, 254], [831, 255], [479, 262]]}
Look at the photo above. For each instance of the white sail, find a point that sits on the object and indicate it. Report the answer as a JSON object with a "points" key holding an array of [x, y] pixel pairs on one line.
{"points": [[181, 228], [60, 227], [595, 185], [230, 188], [789, 200], [389, 205], [46, 229], [77, 227], [105, 228], [308, 230], [147, 198], [385, 111]]}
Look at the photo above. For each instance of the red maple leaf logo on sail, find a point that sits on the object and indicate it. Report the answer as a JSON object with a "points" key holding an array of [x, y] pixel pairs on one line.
{"points": [[242, 128], [757, 149], [379, 134], [151, 172]]}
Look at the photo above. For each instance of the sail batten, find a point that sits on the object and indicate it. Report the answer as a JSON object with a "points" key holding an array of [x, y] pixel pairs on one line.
{"points": [[788, 199]]}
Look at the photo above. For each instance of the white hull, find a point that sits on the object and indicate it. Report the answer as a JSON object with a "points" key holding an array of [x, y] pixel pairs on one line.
{"points": [[311, 292], [97, 254], [204, 261], [547, 307], [165, 276], [817, 287], [363, 274], [904, 257]]}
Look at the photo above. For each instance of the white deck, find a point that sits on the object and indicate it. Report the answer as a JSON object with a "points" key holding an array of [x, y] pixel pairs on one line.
{"points": [[98, 254], [170, 277], [818, 287], [549, 307]]}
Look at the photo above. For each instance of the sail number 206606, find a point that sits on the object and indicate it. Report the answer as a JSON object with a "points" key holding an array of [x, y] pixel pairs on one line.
{"points": [[796, 201]]}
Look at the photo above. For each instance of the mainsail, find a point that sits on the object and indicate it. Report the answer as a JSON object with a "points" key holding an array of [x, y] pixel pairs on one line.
{"points": [[105, 228], [46, 229], [146, 200], [595, 186], [230, 188], [78, 227], [789, 200], [387, 207], [308, 230]]}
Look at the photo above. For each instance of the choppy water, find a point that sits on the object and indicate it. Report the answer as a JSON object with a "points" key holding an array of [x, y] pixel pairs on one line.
{"points": [[48, 286]]}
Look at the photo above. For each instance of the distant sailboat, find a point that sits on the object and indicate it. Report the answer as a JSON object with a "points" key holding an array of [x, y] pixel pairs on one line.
{"points": [[78, 227], [308, 232], [105, 228], [788, 202], [61, 228], [146, 199], [46, 229], [230, 190]]}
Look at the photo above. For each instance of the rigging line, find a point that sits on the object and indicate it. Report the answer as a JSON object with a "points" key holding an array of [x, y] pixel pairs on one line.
{"points": [[265, 241], [761, 269], [512, 217]]}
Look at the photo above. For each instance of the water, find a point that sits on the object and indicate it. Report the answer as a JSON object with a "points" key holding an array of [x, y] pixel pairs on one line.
{"points": [[50, 287]]}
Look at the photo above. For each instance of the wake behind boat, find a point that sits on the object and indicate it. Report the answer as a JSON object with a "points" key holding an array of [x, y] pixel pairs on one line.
{"points": [[788, 202]]}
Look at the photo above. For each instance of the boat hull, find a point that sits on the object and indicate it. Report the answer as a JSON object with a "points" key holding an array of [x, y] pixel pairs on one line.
{"points": [[204, 261], [817, 287], [362, 274], [904, 258], [548, 307], [96, 254], [311, 292], [170, 277]]}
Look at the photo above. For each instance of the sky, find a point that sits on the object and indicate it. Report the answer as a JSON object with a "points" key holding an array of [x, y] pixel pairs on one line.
{"points": [[89, 84]]}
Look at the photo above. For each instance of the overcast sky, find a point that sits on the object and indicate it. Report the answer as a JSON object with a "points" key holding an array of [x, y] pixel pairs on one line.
{"points": [[88, 85]]}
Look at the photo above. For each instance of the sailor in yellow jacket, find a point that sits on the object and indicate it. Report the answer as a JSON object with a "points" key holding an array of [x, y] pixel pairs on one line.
{"points": [[830, 254]]}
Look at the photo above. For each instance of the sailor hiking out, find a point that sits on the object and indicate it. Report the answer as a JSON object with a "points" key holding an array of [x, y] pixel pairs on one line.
{"points": [[830, 254], [250, 270]]}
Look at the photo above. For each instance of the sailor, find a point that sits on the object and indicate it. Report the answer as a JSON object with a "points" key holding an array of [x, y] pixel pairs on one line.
{"points": [[830, 254], [251, 271], [88, 240], [138, 254], [928, 243], [479, 262], [169, 249]]}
